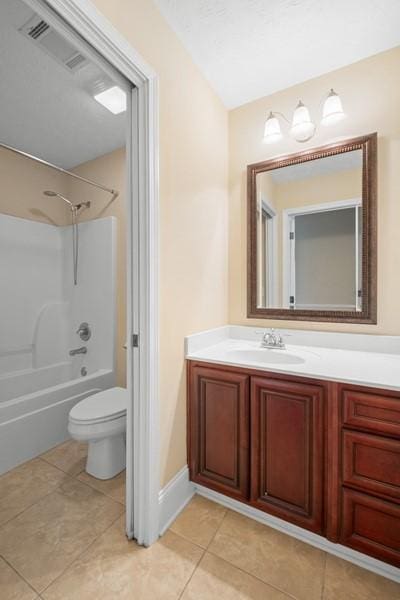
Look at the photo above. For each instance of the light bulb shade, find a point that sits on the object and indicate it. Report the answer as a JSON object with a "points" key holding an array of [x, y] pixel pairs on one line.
{"points": [[332, 111], [302, 127], [272, 130]]}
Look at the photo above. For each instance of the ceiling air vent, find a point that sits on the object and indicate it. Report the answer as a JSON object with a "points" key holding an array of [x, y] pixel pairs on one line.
{"points": [[52, 42], [36, 30]]}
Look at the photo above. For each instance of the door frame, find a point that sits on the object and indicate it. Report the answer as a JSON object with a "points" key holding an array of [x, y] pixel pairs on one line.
{"points": [[142, 486], [288, 241]]}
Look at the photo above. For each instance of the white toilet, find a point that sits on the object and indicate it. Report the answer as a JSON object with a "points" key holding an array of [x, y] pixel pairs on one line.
{"points": [[100, 420]]}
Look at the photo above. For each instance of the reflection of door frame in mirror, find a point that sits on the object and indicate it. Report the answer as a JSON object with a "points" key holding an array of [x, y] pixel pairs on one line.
{"points": [[368, 146], [267, 267], [289, 255]]}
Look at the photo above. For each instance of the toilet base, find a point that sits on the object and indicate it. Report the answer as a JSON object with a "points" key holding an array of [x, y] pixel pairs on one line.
{"points": [[106, 457]]}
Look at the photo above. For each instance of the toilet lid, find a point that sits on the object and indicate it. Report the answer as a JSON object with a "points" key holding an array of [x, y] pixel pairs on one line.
{"points": [[102, 406]]}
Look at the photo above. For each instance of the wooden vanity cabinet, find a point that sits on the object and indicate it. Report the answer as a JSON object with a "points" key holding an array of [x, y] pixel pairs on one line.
{"points": [[287, 450], [259, 440], [324, 456]]}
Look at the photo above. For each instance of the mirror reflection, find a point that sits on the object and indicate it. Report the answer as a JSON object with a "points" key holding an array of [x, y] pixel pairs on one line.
{"points": [[309, 235]]}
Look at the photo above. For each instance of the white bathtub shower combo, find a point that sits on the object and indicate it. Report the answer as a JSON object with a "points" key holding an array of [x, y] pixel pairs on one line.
{"points": [[42, 310]]}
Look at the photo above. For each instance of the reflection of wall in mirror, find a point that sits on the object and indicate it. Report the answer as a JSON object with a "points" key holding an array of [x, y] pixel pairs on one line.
{"points": [[333, 187]]}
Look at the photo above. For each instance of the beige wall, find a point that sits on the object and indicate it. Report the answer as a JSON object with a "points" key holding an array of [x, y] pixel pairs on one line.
{"points": [[23, 182], [371, 94], [193, 205], [108, 170]]}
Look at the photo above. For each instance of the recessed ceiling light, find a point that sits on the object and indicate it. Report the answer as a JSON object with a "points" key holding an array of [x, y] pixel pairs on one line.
{"points": [[114, 99]]}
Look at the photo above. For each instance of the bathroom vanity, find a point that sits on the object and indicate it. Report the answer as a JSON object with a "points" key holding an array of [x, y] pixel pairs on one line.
{"points": [[309, 433]]}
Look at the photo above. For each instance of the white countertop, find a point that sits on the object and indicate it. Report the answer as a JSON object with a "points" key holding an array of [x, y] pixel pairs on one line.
{"points": [[350, 358]]}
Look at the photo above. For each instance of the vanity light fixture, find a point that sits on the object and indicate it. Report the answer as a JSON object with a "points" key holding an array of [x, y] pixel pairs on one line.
{"points": [[332, 111], [114, 99], [302, 127], [272, 131]]}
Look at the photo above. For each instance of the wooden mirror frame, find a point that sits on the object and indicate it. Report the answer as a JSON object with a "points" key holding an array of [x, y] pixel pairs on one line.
{"points": [[368, 145]]}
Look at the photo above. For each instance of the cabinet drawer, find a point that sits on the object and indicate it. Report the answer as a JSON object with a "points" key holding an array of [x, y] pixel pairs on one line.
{"points": [[371, 525], [371, 411], [372, 463]]}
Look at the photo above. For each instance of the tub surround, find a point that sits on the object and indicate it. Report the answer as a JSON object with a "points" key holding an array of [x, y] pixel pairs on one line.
{"points": [[370, 360], [309, 434]]}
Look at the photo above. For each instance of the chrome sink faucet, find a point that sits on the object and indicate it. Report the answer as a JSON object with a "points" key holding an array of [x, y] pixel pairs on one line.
{"points": [[272, 340]]}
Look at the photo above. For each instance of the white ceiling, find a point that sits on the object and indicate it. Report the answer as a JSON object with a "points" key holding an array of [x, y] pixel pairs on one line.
{"points": [[44, 109], [248, 49]]}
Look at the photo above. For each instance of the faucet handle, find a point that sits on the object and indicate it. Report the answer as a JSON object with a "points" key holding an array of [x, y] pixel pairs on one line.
{"points": [[84, 331]]}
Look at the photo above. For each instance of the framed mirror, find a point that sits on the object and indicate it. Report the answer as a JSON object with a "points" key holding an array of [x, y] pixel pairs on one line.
{"points": [[312, 234]]}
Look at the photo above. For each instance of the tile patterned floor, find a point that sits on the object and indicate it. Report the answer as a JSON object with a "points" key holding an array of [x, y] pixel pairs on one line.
{"points": [[62, 538]]}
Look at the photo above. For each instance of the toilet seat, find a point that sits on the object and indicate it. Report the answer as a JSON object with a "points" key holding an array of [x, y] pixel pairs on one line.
{"points": [[101, 407], [100, 420]]}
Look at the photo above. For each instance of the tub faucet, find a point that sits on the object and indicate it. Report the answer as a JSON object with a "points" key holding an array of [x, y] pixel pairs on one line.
{"points": [[81, 350], [272, 340]]}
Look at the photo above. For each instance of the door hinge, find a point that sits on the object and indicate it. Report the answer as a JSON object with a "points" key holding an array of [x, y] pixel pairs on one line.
{"points": [[291, 299], [291, 235], [135, 340]]}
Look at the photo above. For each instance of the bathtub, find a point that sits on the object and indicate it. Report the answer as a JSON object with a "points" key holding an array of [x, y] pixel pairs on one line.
{"points": [[31, 423]]}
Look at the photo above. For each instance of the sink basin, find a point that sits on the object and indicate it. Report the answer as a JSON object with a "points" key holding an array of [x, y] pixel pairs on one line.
{"points": [[265, 355]]}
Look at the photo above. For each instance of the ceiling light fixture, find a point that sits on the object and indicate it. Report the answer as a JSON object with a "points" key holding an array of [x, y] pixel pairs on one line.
{"points": [[302, 127], [114, 99]]}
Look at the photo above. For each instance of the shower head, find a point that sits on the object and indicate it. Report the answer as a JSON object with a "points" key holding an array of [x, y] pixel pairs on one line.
{"points": [[56, 194]]}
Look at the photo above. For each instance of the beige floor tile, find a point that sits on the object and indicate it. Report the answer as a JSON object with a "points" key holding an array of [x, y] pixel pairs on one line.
{"points": [[199, 521], [276, 558], [115, 487], [12, 587], [216, 579], [25, 485], [345, 581], [42, 541], [70, 457], [115, 569]]}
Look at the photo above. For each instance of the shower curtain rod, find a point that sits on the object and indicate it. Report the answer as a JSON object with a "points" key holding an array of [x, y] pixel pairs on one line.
{"points": [[114, 193]]}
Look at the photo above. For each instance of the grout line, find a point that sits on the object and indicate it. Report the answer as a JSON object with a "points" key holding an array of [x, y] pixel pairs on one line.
{"points": [[79, 555], [18, 573], [40, 457], [193, 572], [33, 503], [97, 489], [253, 575], [323, 578], [218, 528], [266, 583], [182, 537]]}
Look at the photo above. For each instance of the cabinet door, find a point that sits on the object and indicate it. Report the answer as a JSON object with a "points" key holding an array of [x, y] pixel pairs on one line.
{"points": [[287, 450], [219, 430]]}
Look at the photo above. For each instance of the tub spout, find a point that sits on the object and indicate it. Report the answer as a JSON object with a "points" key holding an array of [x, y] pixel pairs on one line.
{"points": [[81, 350]]}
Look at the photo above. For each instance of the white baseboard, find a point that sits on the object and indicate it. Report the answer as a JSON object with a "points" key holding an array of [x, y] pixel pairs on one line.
{"points": [[174, 497], [362, 560]]}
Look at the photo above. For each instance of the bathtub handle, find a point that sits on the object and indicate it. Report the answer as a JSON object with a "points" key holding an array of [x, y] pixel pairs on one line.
{"points": [[84, 331]]}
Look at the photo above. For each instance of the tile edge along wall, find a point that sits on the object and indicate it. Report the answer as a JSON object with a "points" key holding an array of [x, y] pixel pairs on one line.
{"points": [[179, 491], [370, 93]]}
